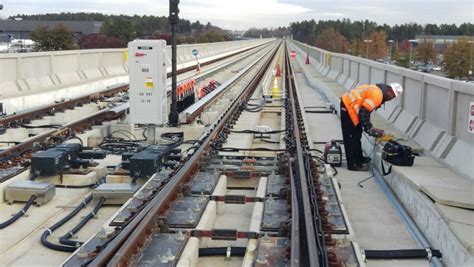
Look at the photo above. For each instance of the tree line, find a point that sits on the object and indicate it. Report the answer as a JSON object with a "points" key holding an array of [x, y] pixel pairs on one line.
{"points": [[370, 40], [308, 30], [279, 32], [141, 25], [118, 30]]}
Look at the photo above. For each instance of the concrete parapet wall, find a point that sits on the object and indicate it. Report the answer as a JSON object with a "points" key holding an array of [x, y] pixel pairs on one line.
{"points": [[432, 110], [40, 72]]}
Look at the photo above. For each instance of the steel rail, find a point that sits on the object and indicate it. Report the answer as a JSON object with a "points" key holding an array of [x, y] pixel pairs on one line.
{"points": [[120, 250], [295, 222], [36, 113], [18, 150], [309, 233], [64, 131], [196, 109], [314, 253]]}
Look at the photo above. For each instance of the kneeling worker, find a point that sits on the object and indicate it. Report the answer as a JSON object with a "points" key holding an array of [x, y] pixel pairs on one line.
{"points": [[356, 106]]}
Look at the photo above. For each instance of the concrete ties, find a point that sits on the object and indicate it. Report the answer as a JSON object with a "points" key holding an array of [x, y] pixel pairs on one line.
{"points": [[461, 221], [453, 214], [458, 194]]}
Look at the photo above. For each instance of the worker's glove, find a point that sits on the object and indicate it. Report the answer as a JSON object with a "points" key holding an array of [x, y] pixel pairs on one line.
{"points": [[375, 132]]}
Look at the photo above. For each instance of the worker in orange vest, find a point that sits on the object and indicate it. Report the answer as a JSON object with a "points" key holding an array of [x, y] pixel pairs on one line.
{"points": [[356, 107]]}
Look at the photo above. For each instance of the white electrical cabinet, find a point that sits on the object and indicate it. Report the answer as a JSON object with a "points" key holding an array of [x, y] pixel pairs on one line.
{"points": [[147, 78]]}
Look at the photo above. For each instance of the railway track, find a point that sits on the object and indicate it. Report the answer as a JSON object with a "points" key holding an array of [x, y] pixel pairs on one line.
{"points": [[120, 246], [248, 191], [19, 154], [275, 182], [254, 198], [312, 249]]}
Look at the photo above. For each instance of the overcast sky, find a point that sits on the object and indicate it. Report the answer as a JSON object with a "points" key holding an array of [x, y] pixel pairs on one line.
{"points": [[243, 14]]}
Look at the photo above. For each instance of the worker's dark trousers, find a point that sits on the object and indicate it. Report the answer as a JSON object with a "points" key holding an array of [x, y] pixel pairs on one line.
{"points": [[351, 135]]}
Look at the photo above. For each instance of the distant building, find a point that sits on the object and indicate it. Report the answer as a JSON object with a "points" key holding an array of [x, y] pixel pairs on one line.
{"points": [[4, 44], [440, 39], [441, 42], [21, 29], [236, 35]]}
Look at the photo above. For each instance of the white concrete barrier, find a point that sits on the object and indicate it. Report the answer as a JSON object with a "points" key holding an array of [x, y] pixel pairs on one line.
{"points": [[433, 110], [25, 79]]}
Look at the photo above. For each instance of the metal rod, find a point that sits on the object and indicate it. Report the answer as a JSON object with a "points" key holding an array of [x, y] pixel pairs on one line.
{"points": [[173, 116]]}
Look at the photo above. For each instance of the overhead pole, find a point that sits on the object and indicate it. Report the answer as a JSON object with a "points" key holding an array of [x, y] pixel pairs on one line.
{"points": [[173, 19]]}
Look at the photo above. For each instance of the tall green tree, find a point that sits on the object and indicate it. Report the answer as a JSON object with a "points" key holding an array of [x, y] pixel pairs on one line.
{"points": [[457, 59], [357, 47], [58, 38], [119, 28], [426, 52], [378, 47], [332, 40]]}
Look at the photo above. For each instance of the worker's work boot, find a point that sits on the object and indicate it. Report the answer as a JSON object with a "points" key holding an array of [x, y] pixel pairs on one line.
{"points": [[359, 168]]}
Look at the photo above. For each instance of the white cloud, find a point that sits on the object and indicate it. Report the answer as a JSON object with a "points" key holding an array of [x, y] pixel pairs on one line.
{"points": [[243, 14]]}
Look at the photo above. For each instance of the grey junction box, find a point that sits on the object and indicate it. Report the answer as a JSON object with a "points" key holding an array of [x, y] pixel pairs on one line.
{"points": [[114, 193], [22, 190], [147, 79]]}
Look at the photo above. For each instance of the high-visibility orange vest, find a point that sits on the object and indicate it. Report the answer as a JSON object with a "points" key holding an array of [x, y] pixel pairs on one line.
{"points": [[368, 96]]}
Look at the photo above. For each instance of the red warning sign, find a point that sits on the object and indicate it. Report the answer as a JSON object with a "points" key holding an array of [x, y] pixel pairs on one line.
{"points": [[293, 54], [470, 122]]}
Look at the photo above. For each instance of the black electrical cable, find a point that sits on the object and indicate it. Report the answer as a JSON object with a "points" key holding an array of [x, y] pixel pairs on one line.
{"points": [[317, 150], [253, 110], [19, 214], [237, 149], [222, 251], [192, 147], [253, 105], [114, 235], [40, 126], [269, 141], [76, 186], [134, 179], [176, 138], [371, 155], [65, 239], [256, 132], [324, 107], [402, 254], [145, 138], [319, 111], [93, 185], [77, 138], [190, 141], [10, 142], [34, 175], [323, 164], [316, 215], [117, 147], [48, 232], [126, 133], [121, 133]]}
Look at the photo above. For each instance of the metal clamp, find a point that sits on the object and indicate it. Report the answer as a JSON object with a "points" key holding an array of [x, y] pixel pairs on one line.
{"points": [[362, 252], [429, 254]]}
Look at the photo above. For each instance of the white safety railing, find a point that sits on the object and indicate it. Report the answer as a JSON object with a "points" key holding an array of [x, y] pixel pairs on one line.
{"points": [[434, 111]]}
